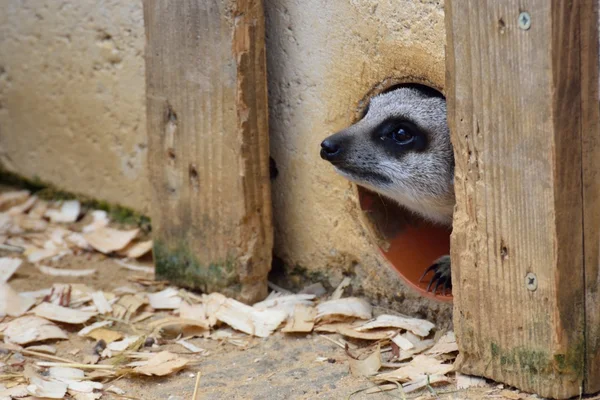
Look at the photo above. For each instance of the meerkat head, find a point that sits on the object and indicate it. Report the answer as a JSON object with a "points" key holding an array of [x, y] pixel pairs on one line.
{"points": [[401, 149]]}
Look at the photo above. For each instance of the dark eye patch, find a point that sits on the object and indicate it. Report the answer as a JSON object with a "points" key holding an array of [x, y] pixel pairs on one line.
{"points": [[399, 136]]}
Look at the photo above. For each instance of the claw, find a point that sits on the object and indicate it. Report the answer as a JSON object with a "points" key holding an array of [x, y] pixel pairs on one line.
{"points": [[429, 269], [441, 276]]}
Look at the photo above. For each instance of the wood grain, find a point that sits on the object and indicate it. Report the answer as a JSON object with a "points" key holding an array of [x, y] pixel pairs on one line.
{"points": [[208, 144], [590, 114], [515, 111]]}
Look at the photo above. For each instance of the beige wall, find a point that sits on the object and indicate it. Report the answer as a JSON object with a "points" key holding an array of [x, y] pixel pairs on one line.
{"points": [[323, 58], [72, 110], [72, 96]]}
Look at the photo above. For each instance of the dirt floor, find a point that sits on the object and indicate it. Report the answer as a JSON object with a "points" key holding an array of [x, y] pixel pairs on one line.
{"points": [[277, 367]]}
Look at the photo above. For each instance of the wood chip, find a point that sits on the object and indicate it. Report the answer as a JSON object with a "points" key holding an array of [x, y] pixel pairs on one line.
{"points": [[78, 241], [167, 299], [43, 348], [417, 326], [466, 381], [68, 213], [189, 346], [446, 344], [341, 309], [47, 389], [29, 329], [96, 325], [347, 329], [15, 392], [415, 369], [58, 313], [136, 250], [286, 303], [128, 305], [12, 303], [102, 305], [339, 291], [11, 199], [193, 311], [124, 344], [132, 267], [161, 364], [403, 342], [83, 396], [37, 255], [23, 207], [302, 320], [106, 240], [8, 266], [366, 364], [108, 335], [65, 272], [66, 373], [245, 318], [100, 220]]}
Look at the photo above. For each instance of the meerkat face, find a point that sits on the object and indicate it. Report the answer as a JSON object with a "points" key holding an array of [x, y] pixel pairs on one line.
{"points": [[401, 149]]}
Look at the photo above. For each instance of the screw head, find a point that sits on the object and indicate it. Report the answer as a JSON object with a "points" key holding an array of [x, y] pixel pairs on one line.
{"points": [[531, 281], [524, 20]]}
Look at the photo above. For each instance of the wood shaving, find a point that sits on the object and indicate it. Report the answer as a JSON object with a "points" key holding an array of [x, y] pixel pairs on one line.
{"points": [[28, 329], [107, 240], [100, 220], [65, 272], [417, 326], [68, 213], [365, 365], [167, 299], [419, 366], [161, 364], [58, 313], [8, 266], [302, 320], [12, 303], [136, 250], [341, 309], [245, 318]]}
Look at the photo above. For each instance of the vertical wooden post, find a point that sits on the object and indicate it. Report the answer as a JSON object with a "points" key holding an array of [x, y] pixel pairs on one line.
{"points": [[208, 149], [590, 128], [522, 83]]}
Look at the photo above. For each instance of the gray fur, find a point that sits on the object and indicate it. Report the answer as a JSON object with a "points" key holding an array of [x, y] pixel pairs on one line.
{"points": [[421, 181]]}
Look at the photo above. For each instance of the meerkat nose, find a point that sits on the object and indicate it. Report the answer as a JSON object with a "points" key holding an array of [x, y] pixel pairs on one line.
{"points": [[330, 149]]}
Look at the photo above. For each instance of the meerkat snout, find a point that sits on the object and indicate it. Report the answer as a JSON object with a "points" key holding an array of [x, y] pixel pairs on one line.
{"points": [[331, 149], [401, 149]]}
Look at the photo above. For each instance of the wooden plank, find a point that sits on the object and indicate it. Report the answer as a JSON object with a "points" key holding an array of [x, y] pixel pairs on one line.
{"points": [[515, 116], [208, 144], [590, 114]]}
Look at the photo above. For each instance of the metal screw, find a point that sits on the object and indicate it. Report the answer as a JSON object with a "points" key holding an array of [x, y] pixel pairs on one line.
{"points": [[524, 20], [531, 281]]}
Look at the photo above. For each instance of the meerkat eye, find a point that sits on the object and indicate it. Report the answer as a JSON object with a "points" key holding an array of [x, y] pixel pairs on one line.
{"points": [[402, 136]]}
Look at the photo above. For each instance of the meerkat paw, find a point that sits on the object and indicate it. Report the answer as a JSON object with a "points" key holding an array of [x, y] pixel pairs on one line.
{"points": [[441, 275]]}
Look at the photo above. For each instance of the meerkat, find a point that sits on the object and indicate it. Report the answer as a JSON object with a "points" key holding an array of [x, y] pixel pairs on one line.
{"points": [[401, 149]]}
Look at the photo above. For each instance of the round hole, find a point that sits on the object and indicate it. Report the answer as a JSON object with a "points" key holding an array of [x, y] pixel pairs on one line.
{"points": [[409, 243]]}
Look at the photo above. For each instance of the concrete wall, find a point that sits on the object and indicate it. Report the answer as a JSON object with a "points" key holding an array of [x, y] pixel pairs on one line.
{"points": [[72, 97], [72, 111], [323, 58]]}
